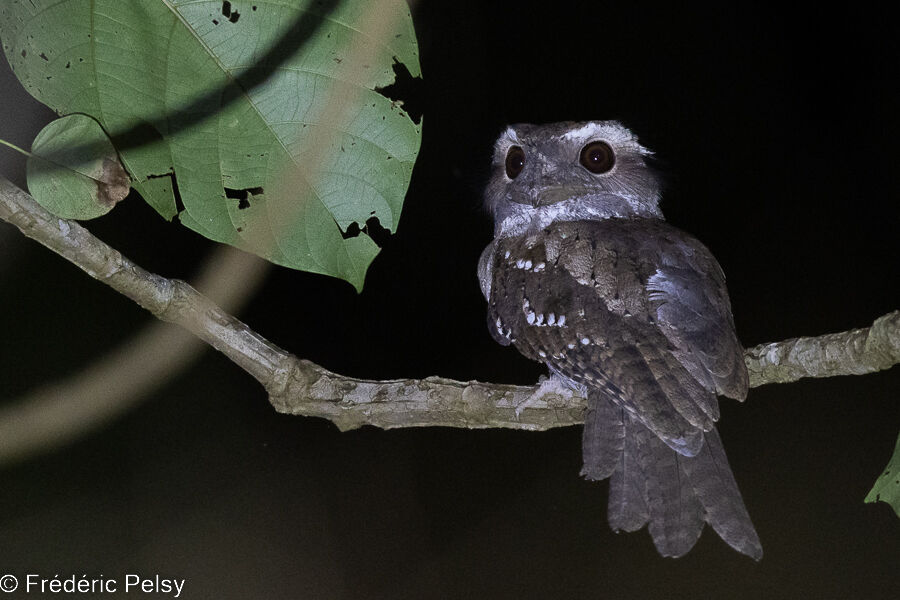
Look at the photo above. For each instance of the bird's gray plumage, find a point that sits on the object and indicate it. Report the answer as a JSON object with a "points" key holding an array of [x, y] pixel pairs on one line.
{"points": [[585, 276]]}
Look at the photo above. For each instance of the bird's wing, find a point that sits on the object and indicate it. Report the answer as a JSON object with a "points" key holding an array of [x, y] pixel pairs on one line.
{"points": [[603, 437], [687, 293], [574, 297]]}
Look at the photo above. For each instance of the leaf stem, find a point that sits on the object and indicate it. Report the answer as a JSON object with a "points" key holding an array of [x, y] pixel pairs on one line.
{"points": [[16, 148]]}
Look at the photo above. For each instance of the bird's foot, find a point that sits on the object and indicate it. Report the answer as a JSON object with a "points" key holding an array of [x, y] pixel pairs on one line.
{"points": [[553, 385]]}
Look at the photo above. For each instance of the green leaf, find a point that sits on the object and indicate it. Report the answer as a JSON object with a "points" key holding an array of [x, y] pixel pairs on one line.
{"points": [[312, 150], [73, 170], [887, 486]]}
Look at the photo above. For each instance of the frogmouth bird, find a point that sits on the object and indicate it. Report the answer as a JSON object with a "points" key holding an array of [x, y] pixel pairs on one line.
{"points": [[585, 276]]}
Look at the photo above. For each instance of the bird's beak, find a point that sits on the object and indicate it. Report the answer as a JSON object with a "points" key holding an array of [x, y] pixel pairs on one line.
{"points": [[544, 196]]}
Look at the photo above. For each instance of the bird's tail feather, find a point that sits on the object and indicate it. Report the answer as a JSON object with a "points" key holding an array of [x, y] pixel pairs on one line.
{"points": [[652, 484]]}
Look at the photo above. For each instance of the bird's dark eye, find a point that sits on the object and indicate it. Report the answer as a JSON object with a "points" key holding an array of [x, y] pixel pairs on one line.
{"points": [[596, 157], [515, 161]]}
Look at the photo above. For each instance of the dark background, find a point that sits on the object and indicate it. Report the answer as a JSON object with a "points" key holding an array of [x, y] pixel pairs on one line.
{"points": [[778, 133]]}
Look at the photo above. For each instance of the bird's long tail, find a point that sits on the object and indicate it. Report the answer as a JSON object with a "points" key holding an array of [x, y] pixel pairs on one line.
{"points": [[651, 484]]}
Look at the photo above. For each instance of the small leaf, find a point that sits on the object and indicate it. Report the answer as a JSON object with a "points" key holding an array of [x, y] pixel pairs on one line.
{"points": [[887, 486], [73, 171]]}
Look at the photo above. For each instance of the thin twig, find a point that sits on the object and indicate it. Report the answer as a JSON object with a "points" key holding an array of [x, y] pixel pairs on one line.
{"points": [[14, 147]]}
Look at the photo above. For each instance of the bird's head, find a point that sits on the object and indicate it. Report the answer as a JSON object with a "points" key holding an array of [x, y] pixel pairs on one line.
{"points": [[569, 171]]}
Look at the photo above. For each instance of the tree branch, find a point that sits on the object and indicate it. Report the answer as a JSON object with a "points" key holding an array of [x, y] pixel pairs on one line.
{"points": [[854, 352], [300, 387]]}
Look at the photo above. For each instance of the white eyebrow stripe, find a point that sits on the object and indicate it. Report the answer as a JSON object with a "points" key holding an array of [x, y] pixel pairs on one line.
{"points": [[609, 131], [586, 131], [510, 134], [506, 140]]}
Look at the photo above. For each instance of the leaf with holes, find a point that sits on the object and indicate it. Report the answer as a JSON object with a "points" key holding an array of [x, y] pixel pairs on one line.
{"points": [[887, 486], [264, 116], [73, 170]]}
